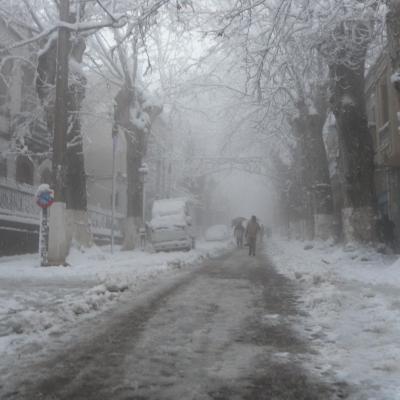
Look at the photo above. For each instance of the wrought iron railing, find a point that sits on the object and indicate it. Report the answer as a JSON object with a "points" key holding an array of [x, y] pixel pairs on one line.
{"points": [[101, 222], [17, 202], [17, 205]]}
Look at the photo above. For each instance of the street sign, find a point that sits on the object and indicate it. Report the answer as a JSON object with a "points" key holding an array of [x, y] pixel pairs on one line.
{"points": [[44, 199], [44, 196]]}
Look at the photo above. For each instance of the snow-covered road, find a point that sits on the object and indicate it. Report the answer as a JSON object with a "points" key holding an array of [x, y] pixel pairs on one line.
{"points": [[220, 331]]}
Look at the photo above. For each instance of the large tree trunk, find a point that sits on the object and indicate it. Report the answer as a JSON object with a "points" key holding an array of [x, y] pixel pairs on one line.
{"points": [[393, 33], [317, 162], [136, 144], [303, 224], [314, 174], [348, 105], [75, 179], [135, 116], [124, 101]]}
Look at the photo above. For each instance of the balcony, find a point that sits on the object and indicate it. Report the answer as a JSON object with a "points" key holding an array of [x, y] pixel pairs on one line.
{"points": [[18, 211], [17, 203], [101, 223]]}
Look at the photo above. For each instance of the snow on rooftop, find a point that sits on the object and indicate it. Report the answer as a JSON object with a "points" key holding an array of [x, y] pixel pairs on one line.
{"points": [[166, 207]]}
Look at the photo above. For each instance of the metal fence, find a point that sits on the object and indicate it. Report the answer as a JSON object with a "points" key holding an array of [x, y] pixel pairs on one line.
{"points": [[101, 222], [17, 205], [17, 202]]}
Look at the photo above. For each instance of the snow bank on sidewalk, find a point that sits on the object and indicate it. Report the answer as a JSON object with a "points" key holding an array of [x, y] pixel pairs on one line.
{"points": [[351, 299], [39, 302]]}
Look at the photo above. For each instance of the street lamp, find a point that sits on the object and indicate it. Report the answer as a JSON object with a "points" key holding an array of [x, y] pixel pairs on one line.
{"points": [[143, 171]]}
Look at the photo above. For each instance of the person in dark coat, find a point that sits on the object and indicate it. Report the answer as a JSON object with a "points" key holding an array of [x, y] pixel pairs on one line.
{"points": [[238, 232], [252, 231]]}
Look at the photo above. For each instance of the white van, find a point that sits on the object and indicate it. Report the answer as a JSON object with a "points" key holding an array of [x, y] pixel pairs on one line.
{"points": [[171, 225]]}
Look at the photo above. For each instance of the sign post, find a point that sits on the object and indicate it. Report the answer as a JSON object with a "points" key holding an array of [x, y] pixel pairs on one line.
{"points": [[143, 171], [44, 199], [113, 184]]}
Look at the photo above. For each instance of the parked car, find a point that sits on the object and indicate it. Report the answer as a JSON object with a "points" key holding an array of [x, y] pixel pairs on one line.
{"points": [[171, 225], [217, 233]]}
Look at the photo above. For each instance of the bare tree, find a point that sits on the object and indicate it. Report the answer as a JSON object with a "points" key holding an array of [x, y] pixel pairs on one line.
{"points": [[135, 109], [342, 32], [344, 44]]}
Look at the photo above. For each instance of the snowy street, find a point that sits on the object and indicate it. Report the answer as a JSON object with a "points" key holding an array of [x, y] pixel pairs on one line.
{"points": [[199, 200], [43, 308], [222, 330]]}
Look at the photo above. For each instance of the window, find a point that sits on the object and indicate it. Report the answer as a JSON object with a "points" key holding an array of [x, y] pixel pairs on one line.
{"points": [[384, 97], [28, 88], [24, 170], [372, 115], [116, 199], [5, 74], [46, 176], [3, 167]]}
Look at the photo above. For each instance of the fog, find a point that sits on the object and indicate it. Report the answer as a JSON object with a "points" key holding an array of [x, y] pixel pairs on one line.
{"points": [[247, 195], [137, 140]]}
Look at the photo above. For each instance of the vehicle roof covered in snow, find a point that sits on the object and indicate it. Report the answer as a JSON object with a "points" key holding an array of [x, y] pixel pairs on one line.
{"points": [[165, 207]]}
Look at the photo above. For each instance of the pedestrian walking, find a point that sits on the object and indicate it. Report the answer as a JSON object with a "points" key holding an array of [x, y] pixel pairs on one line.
{"points": [[239, 233], [252, 231]]}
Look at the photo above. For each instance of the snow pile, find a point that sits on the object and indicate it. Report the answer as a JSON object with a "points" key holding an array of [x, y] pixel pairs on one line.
{"points": [[350, 300], [140, 120], [395, 78], [40, 302]]}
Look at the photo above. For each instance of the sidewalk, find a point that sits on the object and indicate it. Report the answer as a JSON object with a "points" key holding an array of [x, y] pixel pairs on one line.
{"points": [[350, 298]]}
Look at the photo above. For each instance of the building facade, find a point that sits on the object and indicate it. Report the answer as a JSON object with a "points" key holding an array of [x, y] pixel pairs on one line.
{"points": [[24, 146], [383, 119], [25, 158]]}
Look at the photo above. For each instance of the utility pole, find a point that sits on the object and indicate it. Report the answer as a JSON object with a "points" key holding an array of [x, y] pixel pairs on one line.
{"points": [[58, 246], [113, 184], [60, 110]]}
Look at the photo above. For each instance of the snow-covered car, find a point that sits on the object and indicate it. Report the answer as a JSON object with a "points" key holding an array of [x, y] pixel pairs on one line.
{"points": [[217, 233], [171, 225]]}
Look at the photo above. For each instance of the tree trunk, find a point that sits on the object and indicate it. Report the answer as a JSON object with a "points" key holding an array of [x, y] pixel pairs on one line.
{"points": [[348, 105], [393, 33], [75, 179], [314, 174], [134, 157], [300, 195], [321, 189], [134, 115]]}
